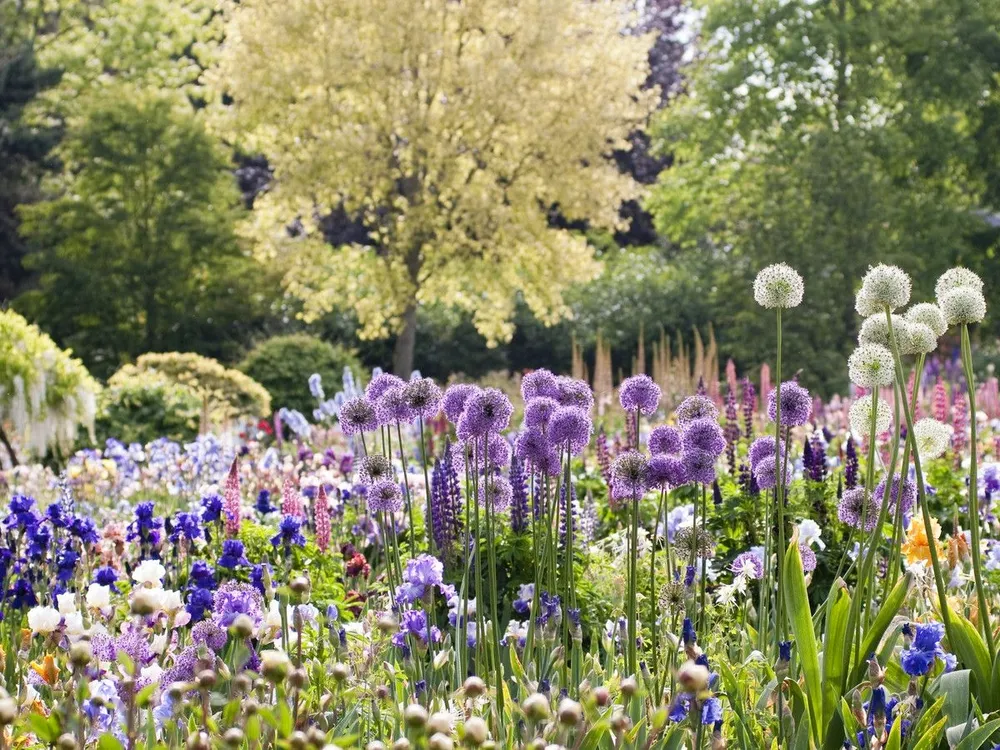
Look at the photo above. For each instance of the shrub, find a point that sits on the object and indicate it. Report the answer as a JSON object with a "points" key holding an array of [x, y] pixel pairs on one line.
{"points": [[142, 407], [283, 365]]}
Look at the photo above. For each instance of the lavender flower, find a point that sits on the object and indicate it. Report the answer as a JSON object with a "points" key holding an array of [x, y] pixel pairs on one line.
{"points": [[850, 464], [639, 392], [519, 498], [749, 404]]}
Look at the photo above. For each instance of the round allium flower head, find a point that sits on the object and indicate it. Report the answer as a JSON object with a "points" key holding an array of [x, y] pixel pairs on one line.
{"points": [[920, 339], [454, 400], [664, 439], [888, 286], [871, 366], [639, 392], [629, 475], [866, 306], [357, 415], [749, 565], [423, 396], [667, 472], [570, 425], [909, 494], [765, 472], [856, 505], [691, 539], [538, 410], [391, 406], [696, 407], [573, 392], [761, 448], [385, 496], [485, 412], [498, 450], [373, 468], [808, 558], [539, 383], [932, 438], [963, 306], [497, 490], [861, 416], [380, 384], [699, 466], [704, 435], [930, 315], [796, 404], [956, 278], [778, 286]]}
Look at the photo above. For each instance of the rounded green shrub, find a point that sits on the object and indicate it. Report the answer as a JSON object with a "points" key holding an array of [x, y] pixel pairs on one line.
{"points": [[283, 365], [143, 406]]}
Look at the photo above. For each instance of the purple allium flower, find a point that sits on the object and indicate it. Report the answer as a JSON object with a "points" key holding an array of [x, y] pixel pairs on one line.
{"points": [[234, 599], [421, 573], [761, 448], [855, 505], [373, 468], [666, 472], [538, 411], [519, 510], [385, 496], [485, 412], [796, 404], [765, 472], [498, 451], [357, 415], [574, 392], [380, 384], [534, 448], [289, 533], [392, 407], [748, 564], [539, 384], [135, 643], [454, 400], [629, 476], [209, 633], [570, 425], [696, 407], [664, 439], [808, 558], [699, 466], [423, 396], [704, 435], [639, 392], [103, 646], [909, 494], [497, 489]]}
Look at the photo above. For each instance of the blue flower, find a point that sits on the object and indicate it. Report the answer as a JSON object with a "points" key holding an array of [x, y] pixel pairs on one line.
{"points": [[687, 632], [145, 523], [66, 564], [199, 602], [263, 504], [679, 708], [926, 647], [106, 577], [202, 576], [22, 513], [211, 508], [711, 711], [38, 541], [422, 573], [84, 529], [232, 554], [289, 533], [186, 525]]}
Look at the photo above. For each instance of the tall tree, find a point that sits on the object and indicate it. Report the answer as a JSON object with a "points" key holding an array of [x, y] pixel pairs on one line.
{"points": [[454, 132], [137, 251]]}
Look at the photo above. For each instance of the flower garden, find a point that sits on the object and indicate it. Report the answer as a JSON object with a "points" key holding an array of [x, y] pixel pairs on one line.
{"points": [[423, 565]]}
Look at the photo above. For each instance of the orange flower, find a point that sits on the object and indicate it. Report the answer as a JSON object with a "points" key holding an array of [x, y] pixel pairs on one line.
{"points": [[917, 544], [47, 670]]}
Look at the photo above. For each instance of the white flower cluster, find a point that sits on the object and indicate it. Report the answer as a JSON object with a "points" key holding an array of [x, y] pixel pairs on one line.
{"points": [[778, 286], [932, 438], [884, 286], [960, 296], [928, 314], [871, 366], [861, 416]]}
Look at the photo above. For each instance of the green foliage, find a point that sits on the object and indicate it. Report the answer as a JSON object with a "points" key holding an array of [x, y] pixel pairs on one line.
{"points": [[147, 405], [283, 364], [135, 251]]}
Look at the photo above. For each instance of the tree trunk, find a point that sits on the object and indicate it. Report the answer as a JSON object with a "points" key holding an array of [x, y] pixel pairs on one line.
{"points": [[8, 446], [402, 356]]}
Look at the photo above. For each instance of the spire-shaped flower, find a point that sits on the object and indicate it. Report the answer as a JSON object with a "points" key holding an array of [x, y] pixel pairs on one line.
{"points": [[291, 503], [231, 500], [322, 519]]}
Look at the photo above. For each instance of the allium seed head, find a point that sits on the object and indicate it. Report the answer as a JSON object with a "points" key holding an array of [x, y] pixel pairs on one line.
{"points": [[871, 366], [886, 285], [696, 407], [875, 330], [857, 506], [778, 286]]}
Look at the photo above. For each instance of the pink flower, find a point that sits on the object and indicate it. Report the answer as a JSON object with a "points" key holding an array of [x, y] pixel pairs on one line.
{"points": [[291, 502], [231, 501], [322, 520]]}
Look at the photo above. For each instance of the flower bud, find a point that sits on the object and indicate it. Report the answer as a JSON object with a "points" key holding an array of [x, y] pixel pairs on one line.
{"points": [[242, 627], [340, 672], [475, 731], [601, 696], [415, 716], [299, 585], [375, 745], [8, 711], [401, 744], [298, 740], [693, 677], [298, 678], [81, 653], [570, 712], [250, 707], [198, 741], [206, 679], [440, 741], [629, 687], [388, 624], [439, 722], [66, 742], [274, 665], [536, 707], [233, 737], [474, 687], [242, 684]]}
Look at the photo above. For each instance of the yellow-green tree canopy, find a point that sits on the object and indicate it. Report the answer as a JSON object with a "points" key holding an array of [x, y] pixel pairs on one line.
{"points": [[45, 394], [454, 131], [227, 394]]}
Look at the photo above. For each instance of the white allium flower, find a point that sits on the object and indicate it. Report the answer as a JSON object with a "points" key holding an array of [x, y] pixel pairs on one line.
{"points": [[871, 366], [875, 330], [930, 315], [778, 285], [861, 416], [886, 285], [963, 305], [149, 572], [43, 620], [920, 339], [865, 306], [98, 596], [956, 278], [932, 438]]}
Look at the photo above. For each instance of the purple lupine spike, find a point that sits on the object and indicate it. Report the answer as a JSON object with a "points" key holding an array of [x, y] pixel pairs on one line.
{"points": [[851, 464], [453, 498], [744, 477], [566, 514], [519, 507], [817, 472], [537, 501], [603, 456], [436, 523], [807, 457], [749, 405], [732, 431]]}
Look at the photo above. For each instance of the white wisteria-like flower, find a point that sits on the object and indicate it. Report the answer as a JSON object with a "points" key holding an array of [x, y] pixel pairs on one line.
{"points": [[930, 315], [963, 306], [871, 366], [920, 339], [887, 286], [956, 278], [778, 286], [932, 438], [861, 416]]}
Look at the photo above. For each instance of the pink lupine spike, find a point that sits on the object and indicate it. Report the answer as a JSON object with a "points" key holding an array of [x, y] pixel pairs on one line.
{"points": [[322, 520], [291, 502], [231, 500]]}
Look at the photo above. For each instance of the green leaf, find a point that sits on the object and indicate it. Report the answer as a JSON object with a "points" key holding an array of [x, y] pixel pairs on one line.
{"points": [[954, 688], [887, 612], [968, 645], [838, 607], [932, 736], [928, 716], [144, 696], [800, 620], [108, 742], [894, 736], [979, 737], [47, 728]]}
